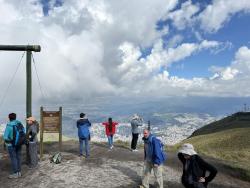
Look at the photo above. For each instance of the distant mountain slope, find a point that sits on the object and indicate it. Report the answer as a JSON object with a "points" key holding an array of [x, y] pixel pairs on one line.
{"points": [[237, 120]]}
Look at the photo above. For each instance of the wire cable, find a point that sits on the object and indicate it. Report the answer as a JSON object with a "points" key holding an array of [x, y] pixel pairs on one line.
{"points": [[11, 80], [39, 83]]}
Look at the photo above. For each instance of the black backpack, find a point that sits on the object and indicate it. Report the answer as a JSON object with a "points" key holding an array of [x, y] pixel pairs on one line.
{"points": [[19, 136]]}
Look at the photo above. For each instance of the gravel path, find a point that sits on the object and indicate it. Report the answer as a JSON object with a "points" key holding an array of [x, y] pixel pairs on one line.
{"points": [[109, 169]]}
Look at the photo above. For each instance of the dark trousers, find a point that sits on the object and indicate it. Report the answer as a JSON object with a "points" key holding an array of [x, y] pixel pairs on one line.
{"points": [[32, 154], [194, 185], [134, 140], [15, 158]]}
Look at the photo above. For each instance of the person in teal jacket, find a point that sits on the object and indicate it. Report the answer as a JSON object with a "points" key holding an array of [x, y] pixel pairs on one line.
{"points": [[14, 152]]}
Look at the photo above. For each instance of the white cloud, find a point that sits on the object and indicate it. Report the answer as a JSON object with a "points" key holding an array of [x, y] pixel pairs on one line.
{"points": [[94, 48], [79, 41], [239, 67], [228, 73], [211, 19], [220, 11], [226, 81], [184, 16], [146, 70]]}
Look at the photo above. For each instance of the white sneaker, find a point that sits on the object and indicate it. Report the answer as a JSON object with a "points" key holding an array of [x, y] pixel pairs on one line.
{"points": [[112, 147], [134, 150], [13, 176], [19, 174]]}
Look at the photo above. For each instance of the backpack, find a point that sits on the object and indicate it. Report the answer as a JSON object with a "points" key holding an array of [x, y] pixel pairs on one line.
{"points": [[164, 154], [83, 132], [37, 127], [19, 136], [56, 158]]}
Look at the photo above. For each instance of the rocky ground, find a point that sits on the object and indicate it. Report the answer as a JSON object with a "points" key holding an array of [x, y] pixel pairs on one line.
{"points": [[110, 169]]}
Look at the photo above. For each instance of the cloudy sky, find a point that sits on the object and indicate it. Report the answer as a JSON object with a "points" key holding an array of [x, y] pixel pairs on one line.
{"points": [[98, 48]]}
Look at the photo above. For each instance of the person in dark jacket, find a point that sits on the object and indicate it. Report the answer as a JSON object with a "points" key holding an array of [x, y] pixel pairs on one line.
{"points": [[195, 168], [154, 158], [110, 128], [31, 135], [83, 125]]}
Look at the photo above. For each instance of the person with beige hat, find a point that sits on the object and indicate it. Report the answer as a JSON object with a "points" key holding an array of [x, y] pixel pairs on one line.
{"points": [[194, 168], [31, 135]]}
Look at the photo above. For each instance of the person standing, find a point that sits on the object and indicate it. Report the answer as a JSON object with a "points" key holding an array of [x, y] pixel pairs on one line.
{"points": [[31, 135], [110, 129], [14, 149], [154, 158], [135, 123], [195, 168], [83, 126]]}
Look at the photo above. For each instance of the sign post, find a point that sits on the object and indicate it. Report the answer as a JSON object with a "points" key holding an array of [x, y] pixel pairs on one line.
{"points": [[51, 122]]}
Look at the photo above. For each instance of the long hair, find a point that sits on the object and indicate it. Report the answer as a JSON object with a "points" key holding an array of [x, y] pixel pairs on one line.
{"points": [[110, 124]]}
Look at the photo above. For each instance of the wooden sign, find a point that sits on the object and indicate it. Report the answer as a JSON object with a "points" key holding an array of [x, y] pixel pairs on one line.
{"points": [[51, 122]]}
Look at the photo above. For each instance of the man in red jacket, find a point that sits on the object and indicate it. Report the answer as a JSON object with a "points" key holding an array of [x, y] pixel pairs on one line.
{"points": [[110, 128]]}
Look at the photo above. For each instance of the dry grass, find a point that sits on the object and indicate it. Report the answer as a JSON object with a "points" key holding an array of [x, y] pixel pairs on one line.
{"points": [[54, 137]]}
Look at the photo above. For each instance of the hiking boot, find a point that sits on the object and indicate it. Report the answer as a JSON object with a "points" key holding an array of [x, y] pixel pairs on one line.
{"points": [[13, 176], [32, 167], [85, 156], [19, 174]]}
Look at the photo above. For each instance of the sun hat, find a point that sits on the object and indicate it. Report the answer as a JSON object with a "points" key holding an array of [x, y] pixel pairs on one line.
{"points": [[31, 119], [187, 149]]}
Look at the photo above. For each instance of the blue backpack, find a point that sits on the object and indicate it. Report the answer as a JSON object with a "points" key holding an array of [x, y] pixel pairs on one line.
{"points": [[19, 136], [83, 130], [164, 154]]}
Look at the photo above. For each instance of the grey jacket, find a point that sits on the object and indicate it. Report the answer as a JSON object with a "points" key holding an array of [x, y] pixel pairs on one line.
{"points": [[135, 123], [32, 132]]}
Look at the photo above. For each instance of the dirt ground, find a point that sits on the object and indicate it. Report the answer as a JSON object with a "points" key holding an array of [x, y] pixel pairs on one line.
{"points": [[119, 168]]}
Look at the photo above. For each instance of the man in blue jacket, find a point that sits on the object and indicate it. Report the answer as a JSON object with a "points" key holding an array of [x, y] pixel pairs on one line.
{"points": [[14, 151], [154, 158], [83, 125]]}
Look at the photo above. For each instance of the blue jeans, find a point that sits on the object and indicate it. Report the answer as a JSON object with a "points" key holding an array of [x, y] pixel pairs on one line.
{"points": [[15, 158], [86, 146], [110, 140]]}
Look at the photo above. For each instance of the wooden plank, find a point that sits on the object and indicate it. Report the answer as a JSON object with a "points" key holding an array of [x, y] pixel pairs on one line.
{"points": [[60, 128], [41, 132]]}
